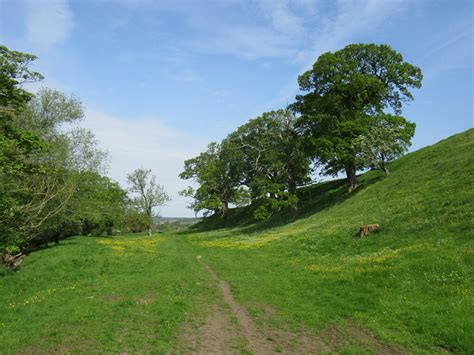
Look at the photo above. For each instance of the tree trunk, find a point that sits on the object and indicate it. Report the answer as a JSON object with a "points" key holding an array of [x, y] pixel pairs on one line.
{"points": [[291, 176], [292, 186], [226, 207], [383, 165], [351, 177], [149, 230]]}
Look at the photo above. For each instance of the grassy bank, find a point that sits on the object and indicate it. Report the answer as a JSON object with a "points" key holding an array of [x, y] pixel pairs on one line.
{"points": [[410, 284]]}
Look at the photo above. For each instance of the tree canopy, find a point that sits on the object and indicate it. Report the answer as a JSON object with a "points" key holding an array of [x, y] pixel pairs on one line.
{"points": [[148, 194], [345, 90], [348, 118]]}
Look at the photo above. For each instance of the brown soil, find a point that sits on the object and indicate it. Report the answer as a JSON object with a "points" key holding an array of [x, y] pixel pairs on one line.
{"points": [[229, 329], [214, 335], [257, 342]]}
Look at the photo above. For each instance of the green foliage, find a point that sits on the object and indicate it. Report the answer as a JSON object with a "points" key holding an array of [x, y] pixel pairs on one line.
{"points": [[410, 284], [136, 221], [14, 71], [218, 173], [272, 161], [49, 173], [17, 146], [148, 194], [98, 205], [389, 138], [262, 160], [345, 89]]}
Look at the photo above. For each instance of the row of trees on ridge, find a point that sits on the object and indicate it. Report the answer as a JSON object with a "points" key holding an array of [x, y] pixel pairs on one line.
{"points": [[347, 119]]}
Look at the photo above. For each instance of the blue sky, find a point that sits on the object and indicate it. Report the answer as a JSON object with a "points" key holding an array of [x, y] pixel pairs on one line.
{"points": [[161, 79]]}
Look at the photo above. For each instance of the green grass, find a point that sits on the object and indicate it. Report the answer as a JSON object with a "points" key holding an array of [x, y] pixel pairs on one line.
{"points": [[410, 284], [112, 294]]}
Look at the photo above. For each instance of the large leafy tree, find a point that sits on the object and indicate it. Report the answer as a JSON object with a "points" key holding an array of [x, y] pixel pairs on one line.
{"points": [[147, 194], [60, 197], [41, 193], [273, 161], [344, 90], [217, 172], [17, 146]]}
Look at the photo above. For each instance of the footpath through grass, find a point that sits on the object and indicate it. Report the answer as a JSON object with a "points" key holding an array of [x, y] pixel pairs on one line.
{"points": [[409, 286], [127, 293]]}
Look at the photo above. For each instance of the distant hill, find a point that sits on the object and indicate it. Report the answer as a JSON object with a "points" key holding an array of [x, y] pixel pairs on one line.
{"points": [[168, 224], [186, 220]]}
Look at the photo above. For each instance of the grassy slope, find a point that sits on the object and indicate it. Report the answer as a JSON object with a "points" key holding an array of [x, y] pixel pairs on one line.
{"points": [[411, 283]]}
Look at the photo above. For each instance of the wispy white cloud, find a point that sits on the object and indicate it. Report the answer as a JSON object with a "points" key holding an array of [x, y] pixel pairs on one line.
{"points": [[259, 29], [48, 22], [148, 143], [348, 20], [351, 19], [298, 30], [282, 18], [246, 42]]}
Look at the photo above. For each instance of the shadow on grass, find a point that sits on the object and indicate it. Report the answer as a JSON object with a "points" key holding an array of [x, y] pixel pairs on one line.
{"points": [[312, 199]]}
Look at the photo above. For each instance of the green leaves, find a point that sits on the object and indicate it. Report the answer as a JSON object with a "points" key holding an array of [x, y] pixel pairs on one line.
{"points": [[218, 174], [346, 90], [148, 194], [262, 161], [388, 139]]}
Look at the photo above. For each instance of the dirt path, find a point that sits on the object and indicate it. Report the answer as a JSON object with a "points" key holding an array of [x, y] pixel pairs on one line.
{"points": [[229, 329], [257, 342]]}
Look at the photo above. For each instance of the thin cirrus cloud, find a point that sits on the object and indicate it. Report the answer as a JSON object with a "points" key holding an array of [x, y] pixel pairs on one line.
{"points": [[349, 19], [48, 24], [295, 30]]}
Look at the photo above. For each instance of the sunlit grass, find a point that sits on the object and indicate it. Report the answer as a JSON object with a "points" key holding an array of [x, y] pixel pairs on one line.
{"points": [[127, 293], [410, 284]]}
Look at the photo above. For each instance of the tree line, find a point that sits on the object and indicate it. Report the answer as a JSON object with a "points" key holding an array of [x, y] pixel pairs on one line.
{"points": [[53, 181], [346, 119]]}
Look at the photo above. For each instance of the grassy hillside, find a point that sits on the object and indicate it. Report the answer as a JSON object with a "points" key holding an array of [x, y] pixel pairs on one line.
{"points": [[408, 287], [410, 284]]}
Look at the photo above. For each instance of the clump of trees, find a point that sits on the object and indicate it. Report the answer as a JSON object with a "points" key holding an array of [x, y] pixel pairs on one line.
{"points": [[348, 118], [52, 172]]}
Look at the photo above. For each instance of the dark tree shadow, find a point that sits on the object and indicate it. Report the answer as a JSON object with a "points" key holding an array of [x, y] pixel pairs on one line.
{"points": [[312, 199]]}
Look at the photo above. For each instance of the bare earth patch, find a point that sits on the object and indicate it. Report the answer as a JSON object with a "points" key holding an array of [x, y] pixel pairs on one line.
{"points": [[229, 329], [213, 335]]}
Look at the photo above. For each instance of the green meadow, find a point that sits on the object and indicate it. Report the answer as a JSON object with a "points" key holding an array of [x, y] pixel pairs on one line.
{"points": [[406, 288]]}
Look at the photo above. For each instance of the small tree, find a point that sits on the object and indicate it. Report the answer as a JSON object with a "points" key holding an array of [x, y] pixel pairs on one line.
{"points": [[388, 139], [149, 193]]}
